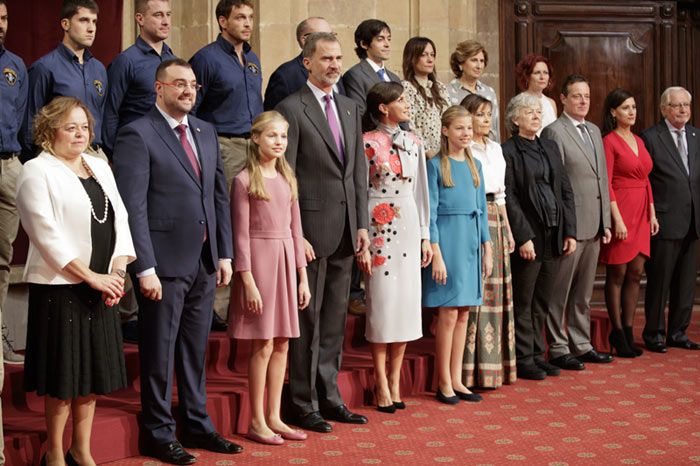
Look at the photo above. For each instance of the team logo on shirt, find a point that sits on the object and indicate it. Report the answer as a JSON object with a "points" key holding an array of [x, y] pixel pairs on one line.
{"points": [[253, 68], [10, 76], [99, 87]]}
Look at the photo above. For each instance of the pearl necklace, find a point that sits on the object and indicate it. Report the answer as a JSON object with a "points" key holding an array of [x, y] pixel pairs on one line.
{"points": [[92, 209]]}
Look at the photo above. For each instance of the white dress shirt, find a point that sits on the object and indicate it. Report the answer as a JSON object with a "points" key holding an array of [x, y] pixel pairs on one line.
{"points": [[376, 69], [319, 94], [493, 166]]}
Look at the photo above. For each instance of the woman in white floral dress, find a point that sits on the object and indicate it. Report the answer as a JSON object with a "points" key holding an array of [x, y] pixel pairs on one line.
{"points": [[399, 233]]}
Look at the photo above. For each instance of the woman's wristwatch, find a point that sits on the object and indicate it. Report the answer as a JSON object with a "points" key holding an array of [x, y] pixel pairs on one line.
{"points": [[120, 272]]}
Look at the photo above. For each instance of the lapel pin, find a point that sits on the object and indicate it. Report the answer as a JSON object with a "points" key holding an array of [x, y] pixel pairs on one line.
{"points": [[198, 130], [348, 112]]}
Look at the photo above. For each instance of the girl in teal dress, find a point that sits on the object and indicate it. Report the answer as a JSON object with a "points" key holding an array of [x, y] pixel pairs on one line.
{"points": [[459, 235]]}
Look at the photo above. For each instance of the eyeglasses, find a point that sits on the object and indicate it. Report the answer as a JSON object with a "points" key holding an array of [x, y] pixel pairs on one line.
{"points": [[679, 105], [181, 85]]}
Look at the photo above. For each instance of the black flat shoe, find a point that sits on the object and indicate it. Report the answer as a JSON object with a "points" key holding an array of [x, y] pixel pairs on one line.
{"points": [[470, 397], [314, 422], [171, 453], [70, 461], [399, 405], [343, 414], [568, 362], [212, 441], [391, 409], [656, 347], [595, 357], [449, 400]]}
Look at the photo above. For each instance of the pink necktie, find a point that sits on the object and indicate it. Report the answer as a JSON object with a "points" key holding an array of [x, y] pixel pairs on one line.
{"points": [[335, 127], [182, 129]]}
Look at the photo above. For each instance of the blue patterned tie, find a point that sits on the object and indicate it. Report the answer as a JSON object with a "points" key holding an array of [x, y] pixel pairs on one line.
{"points": [[382, 74]]}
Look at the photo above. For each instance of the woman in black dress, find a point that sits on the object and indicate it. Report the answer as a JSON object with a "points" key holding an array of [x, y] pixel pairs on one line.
{"points": [[79, 247]]}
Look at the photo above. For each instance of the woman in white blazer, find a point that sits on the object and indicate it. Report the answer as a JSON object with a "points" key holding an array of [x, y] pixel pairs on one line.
{"points": [[79, 248]]}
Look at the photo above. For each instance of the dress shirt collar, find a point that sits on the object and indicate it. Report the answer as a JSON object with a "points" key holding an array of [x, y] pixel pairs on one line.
{"points": [[71, 56], [172, 122], [573, 120], [457, 85], [146, 48], [374, 66], [318, 93], [673, 129]]}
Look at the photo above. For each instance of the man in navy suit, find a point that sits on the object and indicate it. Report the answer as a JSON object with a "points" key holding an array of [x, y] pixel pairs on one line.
{"points": [[290, 76], [171, 178], [674, 146]]}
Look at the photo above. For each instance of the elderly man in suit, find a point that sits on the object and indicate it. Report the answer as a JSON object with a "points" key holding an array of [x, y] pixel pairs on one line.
{"points": [[581, 148], [674, 146], [290, 76], [171, 178], [325, 149]]}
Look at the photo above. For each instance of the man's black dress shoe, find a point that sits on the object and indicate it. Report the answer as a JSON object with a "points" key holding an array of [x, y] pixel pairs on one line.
{"points": [[314, 422], [218, 324], [530, 372], [550, 369], [171, 452], [595, 357], [656, 347], [687, 344], [342, 414], [212, 441], [568, 362]]}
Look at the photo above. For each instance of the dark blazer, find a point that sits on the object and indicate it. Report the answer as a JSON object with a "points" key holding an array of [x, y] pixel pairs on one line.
{"points": [[359, 79], [525, 222], [169, 206], [330, 193], [675, 192], [286, 80]]}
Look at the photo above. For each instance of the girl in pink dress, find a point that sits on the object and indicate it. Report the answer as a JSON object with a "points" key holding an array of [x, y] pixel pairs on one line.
{"points": [[270, 284]]}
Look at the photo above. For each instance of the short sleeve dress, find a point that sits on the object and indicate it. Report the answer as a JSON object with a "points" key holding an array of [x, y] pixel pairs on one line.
{"points": [[268, 242], [74, 341]]}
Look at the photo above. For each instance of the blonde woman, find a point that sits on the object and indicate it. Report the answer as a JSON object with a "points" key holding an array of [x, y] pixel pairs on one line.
{"points": [[270, 283]]}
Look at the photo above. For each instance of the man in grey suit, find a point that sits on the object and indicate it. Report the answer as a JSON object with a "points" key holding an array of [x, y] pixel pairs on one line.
{"points": [[373, 47], [325, 150], [581, 147], [674, 146]]}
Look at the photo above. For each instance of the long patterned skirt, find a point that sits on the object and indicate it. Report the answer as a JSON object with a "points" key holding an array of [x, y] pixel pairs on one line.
{"points": [[489, 355]]}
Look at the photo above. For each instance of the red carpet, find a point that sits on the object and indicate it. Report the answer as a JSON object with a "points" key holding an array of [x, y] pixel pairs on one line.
{"points": [[640, 411]]}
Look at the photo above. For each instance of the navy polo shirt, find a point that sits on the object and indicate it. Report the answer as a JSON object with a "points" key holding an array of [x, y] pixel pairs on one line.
{"points": [[59, 73], [231, 94], [13, 99], [131, 94]]}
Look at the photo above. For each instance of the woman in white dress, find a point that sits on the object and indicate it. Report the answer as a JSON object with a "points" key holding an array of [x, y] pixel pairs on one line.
{"points": [[534, 76], [399, 233]]}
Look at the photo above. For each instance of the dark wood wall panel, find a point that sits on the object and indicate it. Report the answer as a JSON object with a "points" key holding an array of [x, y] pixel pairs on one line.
{"points": [[643, 46]]}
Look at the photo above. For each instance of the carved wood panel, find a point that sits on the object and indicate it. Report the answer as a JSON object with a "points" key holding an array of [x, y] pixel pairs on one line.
{"points": [[613, 43]]}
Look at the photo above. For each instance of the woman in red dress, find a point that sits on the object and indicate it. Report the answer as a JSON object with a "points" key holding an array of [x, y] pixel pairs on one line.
{"points": [[633, 217]]}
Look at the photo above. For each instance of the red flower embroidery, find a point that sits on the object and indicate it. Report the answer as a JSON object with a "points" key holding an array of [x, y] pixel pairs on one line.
{"points": [[378, 260], [378, 242], [395, 163], [383, 213], [369, 152]]}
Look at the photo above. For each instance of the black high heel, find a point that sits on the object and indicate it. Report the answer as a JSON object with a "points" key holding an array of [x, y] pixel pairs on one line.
{"points": [[399, 405], [629, 337], [389, 409], [618, 344]]}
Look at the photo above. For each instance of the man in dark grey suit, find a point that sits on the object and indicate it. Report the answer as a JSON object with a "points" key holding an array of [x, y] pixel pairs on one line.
{"points": [[581, 148], [325, 150], [373, 47], [674, 146]]}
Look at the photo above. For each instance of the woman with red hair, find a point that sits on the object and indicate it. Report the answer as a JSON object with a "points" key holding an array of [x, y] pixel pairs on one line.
{"points": [[534, 76]]}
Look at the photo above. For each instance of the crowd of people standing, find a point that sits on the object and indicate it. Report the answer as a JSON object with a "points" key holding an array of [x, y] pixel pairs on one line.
{"points": [[154, 182]]}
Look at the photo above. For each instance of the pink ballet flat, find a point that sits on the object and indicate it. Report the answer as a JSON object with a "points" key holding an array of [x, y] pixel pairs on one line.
{"points": [[274, 440], [295, 435]]}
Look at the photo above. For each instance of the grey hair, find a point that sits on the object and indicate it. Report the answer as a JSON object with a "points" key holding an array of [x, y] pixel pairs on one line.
{"points": [[516, 105], [311, 41], [666, 95]]}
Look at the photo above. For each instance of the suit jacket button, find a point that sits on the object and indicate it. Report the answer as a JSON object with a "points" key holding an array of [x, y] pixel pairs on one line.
{"points": [[342, 202], [201, 222]]}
